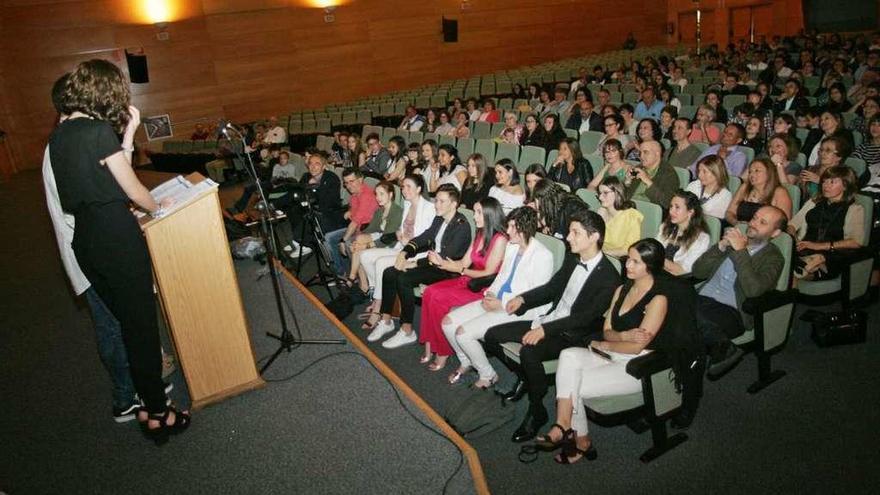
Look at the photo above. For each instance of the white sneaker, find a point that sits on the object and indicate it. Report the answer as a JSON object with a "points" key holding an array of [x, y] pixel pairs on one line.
{"points": [[382, 329], [299, 250], [400, 339], [289, 247]]}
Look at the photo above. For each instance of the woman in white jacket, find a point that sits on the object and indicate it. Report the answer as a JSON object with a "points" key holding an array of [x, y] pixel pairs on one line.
{"points": [[527, 264], [418, 213]]}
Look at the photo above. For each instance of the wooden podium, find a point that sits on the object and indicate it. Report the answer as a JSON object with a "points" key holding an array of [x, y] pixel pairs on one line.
{"points": [[200, 299]]}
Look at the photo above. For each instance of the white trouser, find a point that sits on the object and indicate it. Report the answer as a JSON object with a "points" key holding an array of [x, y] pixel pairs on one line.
{"points": [[474, 322], [581, 375], [375, 261]]}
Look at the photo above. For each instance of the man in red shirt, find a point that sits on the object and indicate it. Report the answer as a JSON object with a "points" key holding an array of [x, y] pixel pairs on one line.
{"points": [[361, 208]]}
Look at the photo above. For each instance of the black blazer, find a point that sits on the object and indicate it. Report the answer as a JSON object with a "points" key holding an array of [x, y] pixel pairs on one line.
{"points": [[455, 241], [575, 121], [590, 304], [798, 103], [328, 192]]}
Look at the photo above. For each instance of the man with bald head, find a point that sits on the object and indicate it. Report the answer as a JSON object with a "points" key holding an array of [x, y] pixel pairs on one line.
{"points": [[740, 266], [653, 180]]}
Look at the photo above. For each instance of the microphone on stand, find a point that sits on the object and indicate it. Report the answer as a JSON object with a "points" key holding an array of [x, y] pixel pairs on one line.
{"points": [[224, 126]]}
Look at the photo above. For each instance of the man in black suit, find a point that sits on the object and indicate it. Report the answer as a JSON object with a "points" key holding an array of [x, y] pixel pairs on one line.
{"points": [[791, 98], [580, 293], [583, 118], [449, 236]]}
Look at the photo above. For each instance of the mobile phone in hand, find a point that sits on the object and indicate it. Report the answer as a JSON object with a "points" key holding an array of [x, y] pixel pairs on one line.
{"points": [[601, 353]]}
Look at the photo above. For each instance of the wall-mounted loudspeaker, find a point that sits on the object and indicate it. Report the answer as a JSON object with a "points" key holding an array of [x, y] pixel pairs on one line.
{"points": [[450, 30], [137, 67]]}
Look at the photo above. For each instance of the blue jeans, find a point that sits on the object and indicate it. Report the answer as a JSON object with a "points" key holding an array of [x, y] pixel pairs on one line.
{"points": [[111, 349], [332, 240]]}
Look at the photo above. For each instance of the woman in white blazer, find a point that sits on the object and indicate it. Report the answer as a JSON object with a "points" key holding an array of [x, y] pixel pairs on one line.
{"points": [[418, 213], [527, 264]]}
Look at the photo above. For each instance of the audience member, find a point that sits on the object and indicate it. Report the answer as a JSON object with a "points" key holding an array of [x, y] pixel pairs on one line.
{"points": [[377, 158], [684, 234], [613, 166], [653, 180], [533, 174], [634, 325], [760, 188], [527, 264], [577, 296], [682, 153], [534, 133], [448, 237], [703, 130], [418, 215], [623, 222], [829, 226], [570, 168], [711, 186], [728, 150], [275, 133], [480, 179], [614, 126], [833, 151], [740, 266], [553, 132], [649, 107], [583, 118], [507, 189], [379, 233], [480, 263], [489, 113], [362, 205], [412, 121], [783, 150]]}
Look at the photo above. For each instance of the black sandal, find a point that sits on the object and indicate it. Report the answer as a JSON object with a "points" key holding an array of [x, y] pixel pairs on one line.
{"points": [[544, 442], [571, 450], [161, 434]]}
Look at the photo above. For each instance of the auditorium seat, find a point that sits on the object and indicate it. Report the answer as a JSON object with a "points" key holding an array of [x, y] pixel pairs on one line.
{"points": [[529, 155], [653, 217]]}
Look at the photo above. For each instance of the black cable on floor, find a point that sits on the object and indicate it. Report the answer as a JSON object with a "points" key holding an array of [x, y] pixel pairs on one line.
{"points": [[396, 394]]}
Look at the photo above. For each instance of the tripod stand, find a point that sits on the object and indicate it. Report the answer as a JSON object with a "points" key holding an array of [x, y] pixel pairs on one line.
{"points": [[310, 224], [287, 341]]}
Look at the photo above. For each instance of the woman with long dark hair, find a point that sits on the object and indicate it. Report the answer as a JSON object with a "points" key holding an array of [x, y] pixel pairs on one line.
{"points": [[634, 326], [684, 233], [571, 168], [483, 259], [480, 179], [96, 183]]}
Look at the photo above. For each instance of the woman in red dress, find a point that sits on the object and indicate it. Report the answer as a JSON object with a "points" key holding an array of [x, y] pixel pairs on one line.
{"points": [[483, 259]]}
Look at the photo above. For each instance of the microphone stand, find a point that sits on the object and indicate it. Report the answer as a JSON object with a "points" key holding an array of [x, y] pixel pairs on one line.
{"points": [[287, 341]]}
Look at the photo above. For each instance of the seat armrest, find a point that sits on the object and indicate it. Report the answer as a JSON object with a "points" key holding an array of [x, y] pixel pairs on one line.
{"points": [[848, 257], [644, 366], [769, 300]]}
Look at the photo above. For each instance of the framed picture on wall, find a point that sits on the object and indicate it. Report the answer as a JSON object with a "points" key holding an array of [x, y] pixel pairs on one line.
{"points": [[158, 127]]}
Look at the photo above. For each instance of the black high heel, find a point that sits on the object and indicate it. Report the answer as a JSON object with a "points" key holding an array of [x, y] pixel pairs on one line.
{"points": [[161, 434], [547, 445]]}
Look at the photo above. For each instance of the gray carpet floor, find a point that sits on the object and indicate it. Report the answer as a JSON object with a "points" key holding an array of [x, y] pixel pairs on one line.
{"points": [[327, 422]]}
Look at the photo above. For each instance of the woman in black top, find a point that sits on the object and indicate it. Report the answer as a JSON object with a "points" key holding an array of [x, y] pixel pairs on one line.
{"points": [[480, 178], [96, 183], [829, 227], [533, 134], [554, 132], [571, 168], [634, 326]]}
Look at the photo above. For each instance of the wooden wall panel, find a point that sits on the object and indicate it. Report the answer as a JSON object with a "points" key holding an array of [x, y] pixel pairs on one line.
{"points": [[247, 59]]}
